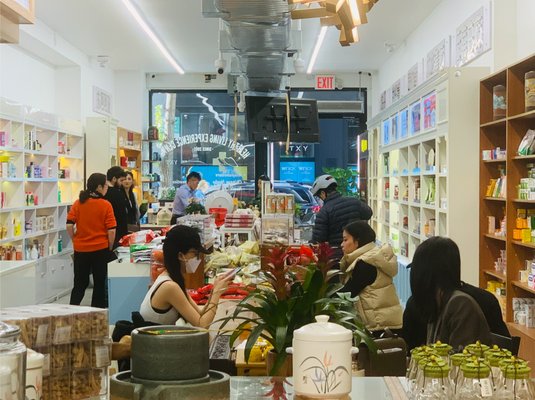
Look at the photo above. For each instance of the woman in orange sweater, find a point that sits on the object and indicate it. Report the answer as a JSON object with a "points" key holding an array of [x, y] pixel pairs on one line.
{"points": [[93, 240]]}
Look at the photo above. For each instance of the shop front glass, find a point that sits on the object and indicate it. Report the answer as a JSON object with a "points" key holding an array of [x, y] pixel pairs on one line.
{"points": [[200, 131]]}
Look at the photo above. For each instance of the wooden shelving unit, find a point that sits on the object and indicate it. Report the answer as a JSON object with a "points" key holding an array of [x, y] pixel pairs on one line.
{"points": [[438, 160], [129, 155], [506, 133]]}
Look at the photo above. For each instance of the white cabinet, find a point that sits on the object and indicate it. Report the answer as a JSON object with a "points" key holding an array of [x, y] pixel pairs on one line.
{"points": [[101, 144], [423, 171], [17, 284]]}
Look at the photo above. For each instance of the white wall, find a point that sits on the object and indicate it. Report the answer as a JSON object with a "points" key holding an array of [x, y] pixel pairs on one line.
{"points": [[131, 100], [525, 28], [26, 79]]}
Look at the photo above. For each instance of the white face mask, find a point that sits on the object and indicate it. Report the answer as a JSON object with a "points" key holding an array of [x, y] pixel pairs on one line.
{"points": [[192, 264]]}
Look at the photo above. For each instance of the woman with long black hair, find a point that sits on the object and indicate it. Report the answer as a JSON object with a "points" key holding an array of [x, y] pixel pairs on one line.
{"points": [[131, 202], [167, 300], [93, 240]]}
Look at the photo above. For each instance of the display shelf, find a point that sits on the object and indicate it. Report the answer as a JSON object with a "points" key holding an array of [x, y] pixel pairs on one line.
{"points": [[495, 199], [495, 274], [507, 133], [39, 160], [430, 158], [129, 150], [495, 237], [494, 161], [523, 286]]}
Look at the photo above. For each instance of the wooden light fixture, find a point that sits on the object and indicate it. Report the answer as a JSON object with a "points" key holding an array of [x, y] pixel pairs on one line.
{"points": [[346, 15]]}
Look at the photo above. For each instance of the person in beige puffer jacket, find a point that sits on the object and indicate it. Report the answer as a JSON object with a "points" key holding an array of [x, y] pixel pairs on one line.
{"points": [[368, 273]]}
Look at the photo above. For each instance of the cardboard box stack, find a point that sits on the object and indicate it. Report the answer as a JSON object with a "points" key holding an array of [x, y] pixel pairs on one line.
{"points": [[76, 344]]}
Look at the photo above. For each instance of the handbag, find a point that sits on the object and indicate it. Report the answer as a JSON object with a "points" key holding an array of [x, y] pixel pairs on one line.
{"points": [[389, 360]]}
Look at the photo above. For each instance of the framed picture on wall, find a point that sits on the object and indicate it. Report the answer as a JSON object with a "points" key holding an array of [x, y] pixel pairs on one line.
{"points": [[404, 123], [430, 111], [395, 125], [386, 132], [415, 118]]}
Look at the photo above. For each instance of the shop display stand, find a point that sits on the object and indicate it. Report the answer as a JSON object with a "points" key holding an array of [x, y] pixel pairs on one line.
{"points": [[129, 156], [46, 174], [506, 133], [423, 178], [151, 164]]}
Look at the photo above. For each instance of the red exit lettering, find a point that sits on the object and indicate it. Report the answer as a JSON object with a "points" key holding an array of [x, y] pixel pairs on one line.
{"points": [[324, 82]]}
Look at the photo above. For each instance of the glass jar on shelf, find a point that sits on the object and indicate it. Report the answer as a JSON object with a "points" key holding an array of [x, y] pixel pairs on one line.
{"points": [[417, 354], [499, 102], [456, 361], [529, 81], [494, 356]]}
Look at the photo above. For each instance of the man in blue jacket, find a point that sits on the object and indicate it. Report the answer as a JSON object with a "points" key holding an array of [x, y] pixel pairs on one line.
{"points": [[337, 212]]}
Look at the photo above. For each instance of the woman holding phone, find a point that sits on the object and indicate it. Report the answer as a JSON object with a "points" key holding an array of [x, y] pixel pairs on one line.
{"points": [[167, 300]]}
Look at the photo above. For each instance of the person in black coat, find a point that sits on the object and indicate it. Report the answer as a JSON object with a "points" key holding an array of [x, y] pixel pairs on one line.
{"points": [[337, 212], [415, 319], [116, 197], [130, 199]]}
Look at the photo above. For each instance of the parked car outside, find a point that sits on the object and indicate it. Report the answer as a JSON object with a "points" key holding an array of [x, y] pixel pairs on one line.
{"points": [[305, 201]]}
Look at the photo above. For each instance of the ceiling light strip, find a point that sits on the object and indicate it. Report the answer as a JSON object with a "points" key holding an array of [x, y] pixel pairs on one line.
{"points": [[150, 33], [317, 48]]}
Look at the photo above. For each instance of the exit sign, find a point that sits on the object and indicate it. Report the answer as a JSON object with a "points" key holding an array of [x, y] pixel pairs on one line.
{"points": [[325, 82]]}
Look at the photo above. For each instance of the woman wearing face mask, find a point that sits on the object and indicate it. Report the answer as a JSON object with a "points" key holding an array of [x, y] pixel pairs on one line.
{"points": [[167, 300]]}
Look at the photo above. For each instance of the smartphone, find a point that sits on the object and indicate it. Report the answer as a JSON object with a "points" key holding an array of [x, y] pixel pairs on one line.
{"points": [[233, 272]]}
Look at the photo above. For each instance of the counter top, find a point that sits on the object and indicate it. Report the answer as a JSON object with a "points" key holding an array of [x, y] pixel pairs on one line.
{"points": [[262, 387]]}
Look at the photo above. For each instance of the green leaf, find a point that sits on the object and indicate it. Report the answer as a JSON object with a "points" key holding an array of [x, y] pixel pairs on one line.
{"points": [[251, 340]]}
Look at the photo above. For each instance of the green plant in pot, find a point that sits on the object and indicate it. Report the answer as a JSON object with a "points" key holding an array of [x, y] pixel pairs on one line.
{"points": [[296, 285], [346, 179]]}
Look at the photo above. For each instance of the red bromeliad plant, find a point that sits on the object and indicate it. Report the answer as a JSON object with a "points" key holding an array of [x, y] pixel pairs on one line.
{"points": [[301, 286]]}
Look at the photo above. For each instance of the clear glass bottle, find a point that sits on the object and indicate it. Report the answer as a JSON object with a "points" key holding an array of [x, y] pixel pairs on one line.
{"points": [[499, 102], [456, 361], [12, 363], [436, 384], [476, 382], [414, 375], [517, 383], [494, 356], [443, 350]]}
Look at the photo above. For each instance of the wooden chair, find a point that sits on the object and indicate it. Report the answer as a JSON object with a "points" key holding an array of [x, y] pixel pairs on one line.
{"points": [[510, 343]]}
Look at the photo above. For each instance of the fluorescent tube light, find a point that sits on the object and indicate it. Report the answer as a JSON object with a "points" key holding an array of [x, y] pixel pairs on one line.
{"points": [[317, 48], [150, 33]]}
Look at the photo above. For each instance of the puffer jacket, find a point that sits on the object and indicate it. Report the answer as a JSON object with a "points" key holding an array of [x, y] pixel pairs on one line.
{"points": [[337, 212], [377, 304]]}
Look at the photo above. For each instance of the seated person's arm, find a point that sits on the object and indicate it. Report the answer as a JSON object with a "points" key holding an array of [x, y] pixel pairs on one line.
{"points": [[362, 275]]}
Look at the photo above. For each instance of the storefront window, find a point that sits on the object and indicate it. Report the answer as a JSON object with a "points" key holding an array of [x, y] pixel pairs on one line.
{"points": [[198, 131]]}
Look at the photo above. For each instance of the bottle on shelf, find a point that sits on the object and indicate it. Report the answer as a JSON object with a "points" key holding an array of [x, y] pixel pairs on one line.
{"points": [[530, 90]]}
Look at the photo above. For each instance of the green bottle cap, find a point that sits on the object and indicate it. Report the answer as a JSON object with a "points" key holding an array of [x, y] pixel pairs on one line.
{"points": [[434, 367], [443, 349], [494, 355], [516, 371], [475, 370], [458, 359], [477, 348]]}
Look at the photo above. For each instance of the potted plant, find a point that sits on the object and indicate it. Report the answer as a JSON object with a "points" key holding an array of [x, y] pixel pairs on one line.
{"points": [[300, 287]]}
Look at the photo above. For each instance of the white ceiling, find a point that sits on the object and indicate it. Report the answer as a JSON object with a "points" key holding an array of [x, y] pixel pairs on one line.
{"points": [[105, 27]]}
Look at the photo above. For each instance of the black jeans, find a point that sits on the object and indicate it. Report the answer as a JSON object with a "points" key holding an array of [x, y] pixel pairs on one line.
{"points": [[85, 263]]}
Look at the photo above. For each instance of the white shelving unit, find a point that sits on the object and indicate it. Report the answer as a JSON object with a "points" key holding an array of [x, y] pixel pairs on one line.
{"points": [[101, 144], [425, 182], [42, 174]]}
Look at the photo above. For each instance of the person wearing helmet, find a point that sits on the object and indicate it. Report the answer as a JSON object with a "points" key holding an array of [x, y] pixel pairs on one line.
{"points": [[337, 212]]}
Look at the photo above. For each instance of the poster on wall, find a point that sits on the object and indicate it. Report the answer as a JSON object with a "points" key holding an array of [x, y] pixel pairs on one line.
{"points": [[438, 58], [396, 91], [386, 132], [413, 78], [404, 123], [430, 111], [394, 129], [473, 37], [382, 100], [415, 114], [299, 171]]}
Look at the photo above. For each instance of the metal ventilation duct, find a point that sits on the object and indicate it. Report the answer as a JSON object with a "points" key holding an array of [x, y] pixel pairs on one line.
{"points": [[258, 33]]}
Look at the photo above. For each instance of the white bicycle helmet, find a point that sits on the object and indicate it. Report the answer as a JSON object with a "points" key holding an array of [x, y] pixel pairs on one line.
{"points": [[322, 182]]}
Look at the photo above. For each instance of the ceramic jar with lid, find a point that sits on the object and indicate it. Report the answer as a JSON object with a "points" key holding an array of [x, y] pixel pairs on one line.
{"points": [[34, 375], [12, 363], [322, 359]]}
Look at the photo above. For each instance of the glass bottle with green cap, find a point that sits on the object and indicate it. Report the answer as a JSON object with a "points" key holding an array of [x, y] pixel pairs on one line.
{"points": [[517, 384], [442, 349], [436, 383], [494, 356], [415, 374], [456, 361], [476, 382]]}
